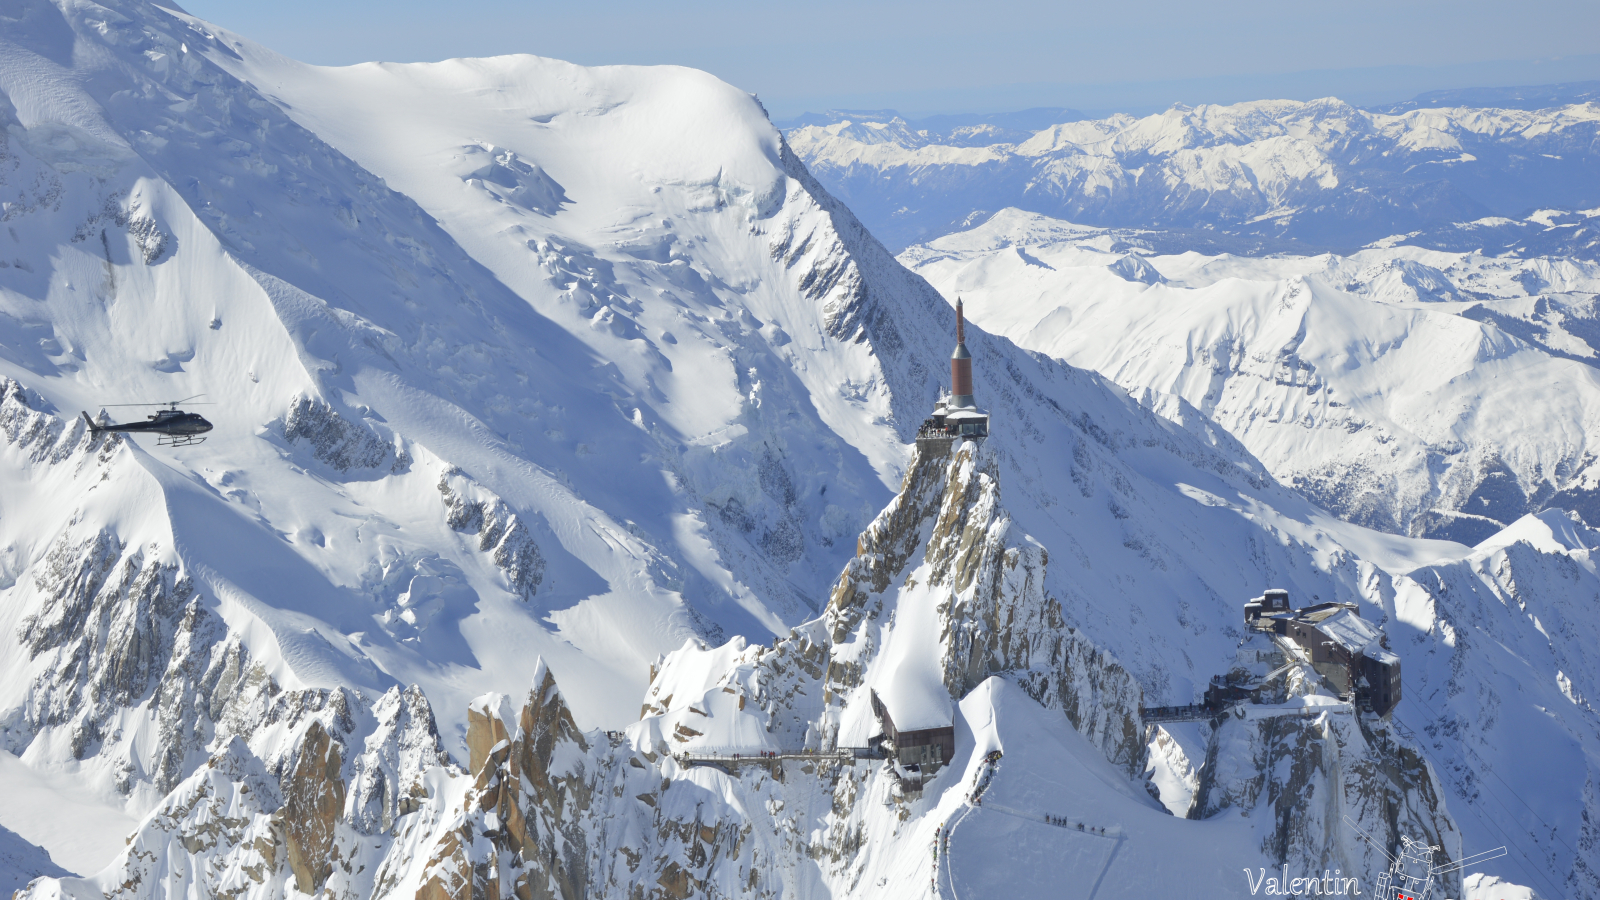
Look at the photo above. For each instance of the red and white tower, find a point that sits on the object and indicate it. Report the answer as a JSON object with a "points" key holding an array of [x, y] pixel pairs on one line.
{"points": [[959, 415], [961, 365]]}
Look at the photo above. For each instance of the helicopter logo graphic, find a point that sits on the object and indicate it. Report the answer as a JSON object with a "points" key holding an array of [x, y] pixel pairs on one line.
{"points": [[1411, 874]]}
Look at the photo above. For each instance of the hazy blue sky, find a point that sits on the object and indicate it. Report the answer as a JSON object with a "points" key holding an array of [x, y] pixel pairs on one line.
{"points": [[940, 56]]}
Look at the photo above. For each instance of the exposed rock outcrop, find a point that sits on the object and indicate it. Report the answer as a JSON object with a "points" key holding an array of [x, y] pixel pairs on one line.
{"points": [[520, 830], [336, 441], [386, 779], [501, 534], [998, 620], [1300, 774], [313, 802], [28, 425]]}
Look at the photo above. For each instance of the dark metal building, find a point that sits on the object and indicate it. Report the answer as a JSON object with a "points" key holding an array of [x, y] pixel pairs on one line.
{"points": [[927, 746], [1347, 651]]}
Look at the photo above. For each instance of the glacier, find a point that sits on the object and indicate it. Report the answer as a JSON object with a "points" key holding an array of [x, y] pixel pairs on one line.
{"points": [[562, 412]]}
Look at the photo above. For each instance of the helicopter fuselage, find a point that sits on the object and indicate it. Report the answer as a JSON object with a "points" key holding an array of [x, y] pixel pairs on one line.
{"points": [[175, 423]]}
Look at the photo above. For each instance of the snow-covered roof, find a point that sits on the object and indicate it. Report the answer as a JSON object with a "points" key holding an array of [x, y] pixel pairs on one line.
{"points": [[1378, 654], [1353, 632], [967, 412], [916, 704]]}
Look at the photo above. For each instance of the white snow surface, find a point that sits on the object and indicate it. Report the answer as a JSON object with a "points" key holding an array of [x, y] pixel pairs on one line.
{"points": [[83, 829], [1411, 390], [22, 862], [1049, 769], [906, 676], [607, 308], [1322, 170]]}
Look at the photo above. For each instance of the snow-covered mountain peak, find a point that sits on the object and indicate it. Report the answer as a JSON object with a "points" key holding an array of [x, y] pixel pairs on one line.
{"points": [[559, 435], [578, 122], [524, 374], [1553, 531], [1260, 175]]}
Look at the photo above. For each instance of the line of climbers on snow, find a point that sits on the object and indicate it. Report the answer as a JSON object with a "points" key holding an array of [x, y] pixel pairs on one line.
{"points": [[1064, 822]]}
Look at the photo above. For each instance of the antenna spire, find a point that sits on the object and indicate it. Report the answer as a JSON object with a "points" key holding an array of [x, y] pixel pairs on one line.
{"points": [[961, 365]]}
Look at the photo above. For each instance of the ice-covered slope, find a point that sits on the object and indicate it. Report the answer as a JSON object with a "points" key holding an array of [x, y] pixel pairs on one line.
{"points": [[416, 476], [1321, 172], [597, 481], [1414, 391], [570, 364]]}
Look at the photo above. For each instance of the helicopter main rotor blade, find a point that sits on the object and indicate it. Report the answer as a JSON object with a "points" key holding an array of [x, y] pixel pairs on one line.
{"points": [[164, 403], [1472, 860]]}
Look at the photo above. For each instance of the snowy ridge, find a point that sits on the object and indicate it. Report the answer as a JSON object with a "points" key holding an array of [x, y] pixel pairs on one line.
{"points": [[1420, 392], [620, 331], [543, 809], [1321, 172]]}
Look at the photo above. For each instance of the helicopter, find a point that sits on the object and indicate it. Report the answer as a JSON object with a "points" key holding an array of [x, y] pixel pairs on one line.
{"points": [[1411, 874], [173, 426]]}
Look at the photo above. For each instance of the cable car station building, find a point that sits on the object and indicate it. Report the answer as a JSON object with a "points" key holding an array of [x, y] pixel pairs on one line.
{"points": [[1345, 649]]}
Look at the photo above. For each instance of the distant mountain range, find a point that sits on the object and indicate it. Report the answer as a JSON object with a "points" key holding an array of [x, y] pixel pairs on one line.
{"points": [[1254, 177], [1529, 97], [1441, 395]]}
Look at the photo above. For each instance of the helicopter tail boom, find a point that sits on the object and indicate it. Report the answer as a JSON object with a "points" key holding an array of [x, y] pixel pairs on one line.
{"points": [[93, 428]]}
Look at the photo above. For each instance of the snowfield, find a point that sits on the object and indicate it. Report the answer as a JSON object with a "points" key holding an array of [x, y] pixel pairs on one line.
{"points": [[565, 428], [1274, 174], [1414, 391]]}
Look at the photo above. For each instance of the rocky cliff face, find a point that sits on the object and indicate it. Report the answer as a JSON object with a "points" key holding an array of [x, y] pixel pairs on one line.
{"points": [[945, 532], [1298, 774], [519, 830], [949, 528], [299, 811], [357, 798]]}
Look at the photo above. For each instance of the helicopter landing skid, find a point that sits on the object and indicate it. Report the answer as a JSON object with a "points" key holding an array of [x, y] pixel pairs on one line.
{"points": [[184, 440]]}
